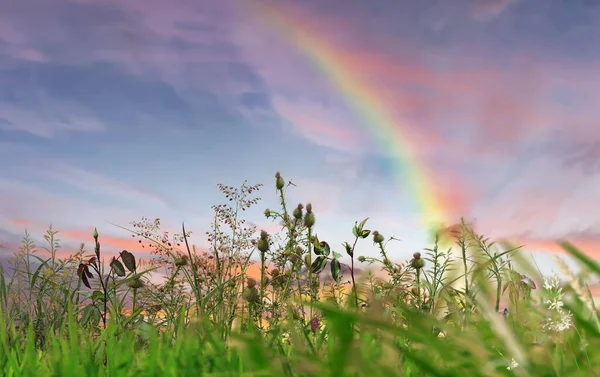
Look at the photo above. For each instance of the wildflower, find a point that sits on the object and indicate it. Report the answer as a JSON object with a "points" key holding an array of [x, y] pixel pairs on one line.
{"points": [[513, 364], [552, 283], [315, 324], [555, 303]]}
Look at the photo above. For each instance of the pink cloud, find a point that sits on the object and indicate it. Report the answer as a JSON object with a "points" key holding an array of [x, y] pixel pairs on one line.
{"points": [[21, 222]]}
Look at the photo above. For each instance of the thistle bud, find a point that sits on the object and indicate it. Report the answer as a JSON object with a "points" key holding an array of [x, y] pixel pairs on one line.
{"points": [[267, 213], [263, 243], [135, 283], [309, 218], [361, 259], [298, 212], [180, 262], [417, 263], [377, 237], [250, 283], [279, 182], [251, 295]]}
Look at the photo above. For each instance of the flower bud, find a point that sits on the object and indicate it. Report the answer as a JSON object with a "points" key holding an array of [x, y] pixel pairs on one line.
{"points": [[251, 295], [180, 262], [298, 212], [267, 213], [377, 237], [417, 263], [309, 218], [279, 182], [263, 243], [135, 283], [361, 259]]}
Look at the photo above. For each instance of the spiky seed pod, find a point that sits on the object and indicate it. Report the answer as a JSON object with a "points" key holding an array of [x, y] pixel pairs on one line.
{"points": [[298, 212], [263, 242], [377, 237], [309, 218], [251, 295], [279, 182], [417, 263], [180, 262], [267, 213], [135, 283]]}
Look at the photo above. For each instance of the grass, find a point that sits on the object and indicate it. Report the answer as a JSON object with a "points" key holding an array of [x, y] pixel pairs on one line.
{"points": [[438, 314]]}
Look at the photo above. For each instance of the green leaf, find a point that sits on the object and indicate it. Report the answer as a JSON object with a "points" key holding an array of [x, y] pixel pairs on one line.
{"points": [[318, 265], [336, 255], [326, 248], [129, 260], [580, 256], [87, 314], [362, 224], [348, 249], [96, 316], [117, 267], [336, 268], [365, 233], [97, 296], [319, 249], [355, 231]]}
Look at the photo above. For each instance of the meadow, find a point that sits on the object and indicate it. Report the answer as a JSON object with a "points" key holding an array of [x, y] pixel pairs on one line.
{"points": [[286, 304]]}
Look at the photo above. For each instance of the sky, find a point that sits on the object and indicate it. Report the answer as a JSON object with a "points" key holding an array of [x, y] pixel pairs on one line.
{"points": [[113, 110]]}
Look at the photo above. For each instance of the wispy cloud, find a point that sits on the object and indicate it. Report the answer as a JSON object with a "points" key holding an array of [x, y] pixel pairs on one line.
{"points": [[113, 110]]}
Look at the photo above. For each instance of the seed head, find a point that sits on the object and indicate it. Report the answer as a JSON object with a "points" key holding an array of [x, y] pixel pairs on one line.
{"points": [[251, 295], [377, 237], [180, 262], [250, 283], [417, 263], [279, 182], [135, 283], [309, 218], [298, 212], [263, 243]]}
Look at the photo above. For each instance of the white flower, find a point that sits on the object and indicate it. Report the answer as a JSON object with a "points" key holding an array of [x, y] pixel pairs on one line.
{"points": [[513, 364], [555, 304], [551, 283]]}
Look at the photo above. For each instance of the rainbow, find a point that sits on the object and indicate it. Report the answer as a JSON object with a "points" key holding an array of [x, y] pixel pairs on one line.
{"points": [[364, 99]]}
